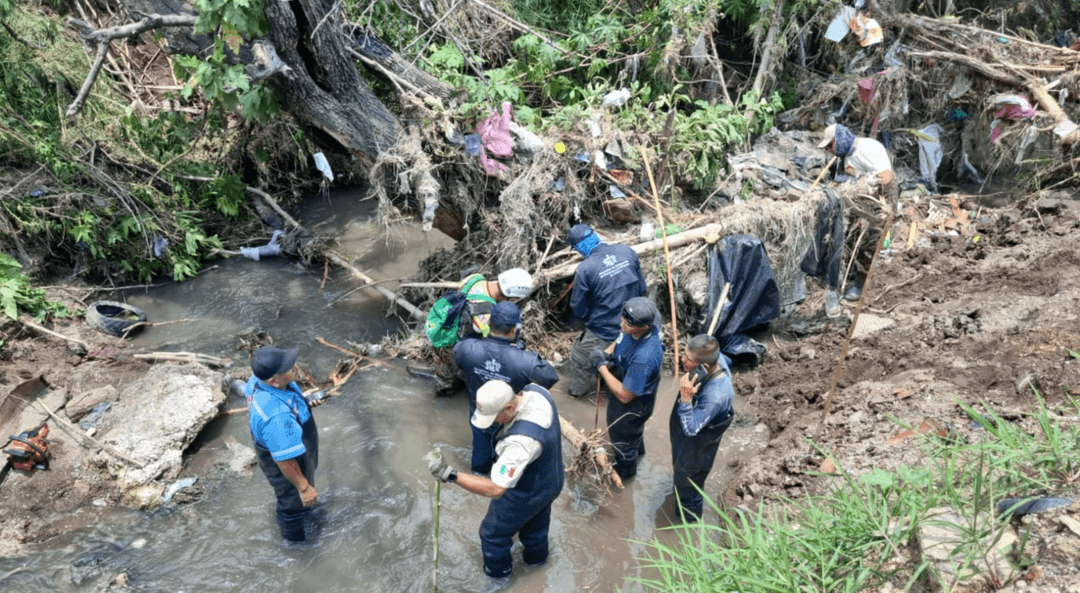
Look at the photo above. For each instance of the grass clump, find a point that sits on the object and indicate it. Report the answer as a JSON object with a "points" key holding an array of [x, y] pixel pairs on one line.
{"points": [[877, 526]]}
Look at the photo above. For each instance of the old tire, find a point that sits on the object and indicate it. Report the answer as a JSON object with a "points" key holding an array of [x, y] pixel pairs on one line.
{"points": [[113, 318]]}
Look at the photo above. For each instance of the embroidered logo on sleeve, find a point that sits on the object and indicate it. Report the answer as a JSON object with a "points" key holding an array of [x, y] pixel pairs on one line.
{"points": [[507, 470]]}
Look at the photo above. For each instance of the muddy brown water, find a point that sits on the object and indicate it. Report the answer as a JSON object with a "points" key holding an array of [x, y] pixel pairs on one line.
{"points": [[376, 496]]}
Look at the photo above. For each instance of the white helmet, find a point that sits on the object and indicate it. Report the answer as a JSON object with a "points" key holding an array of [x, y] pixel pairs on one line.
{"points": [[515, 283]]}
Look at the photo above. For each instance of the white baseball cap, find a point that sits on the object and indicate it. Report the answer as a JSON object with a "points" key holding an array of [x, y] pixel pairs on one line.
{"points": [[830, 134], [491, 398]]}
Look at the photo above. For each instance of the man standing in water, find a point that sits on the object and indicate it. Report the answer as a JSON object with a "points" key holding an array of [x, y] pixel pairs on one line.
{"points": [[526, 479], [609, 276], [285, 437], [498, 357], [631, 370], [702, 413]]}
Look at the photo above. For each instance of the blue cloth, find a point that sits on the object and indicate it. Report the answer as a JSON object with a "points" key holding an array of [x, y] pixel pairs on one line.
{"points": [[637, 365], [695, 430], [495, 358], [844, 141], [290, 510], [525, 509], [824, 254], [275, 416], [586, 246], [609, 277]]}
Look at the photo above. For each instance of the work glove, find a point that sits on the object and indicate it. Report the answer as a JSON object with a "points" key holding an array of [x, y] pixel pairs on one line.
{"points": [[599, 358], [439, 468]]}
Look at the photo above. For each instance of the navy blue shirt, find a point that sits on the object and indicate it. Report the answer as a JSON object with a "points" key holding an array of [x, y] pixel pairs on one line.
{"points": [[638, 362], [609, 277], [710, 406], [495, 358]]}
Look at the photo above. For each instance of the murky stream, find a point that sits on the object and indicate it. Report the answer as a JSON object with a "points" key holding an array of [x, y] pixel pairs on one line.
{"points": [[376, 495]]}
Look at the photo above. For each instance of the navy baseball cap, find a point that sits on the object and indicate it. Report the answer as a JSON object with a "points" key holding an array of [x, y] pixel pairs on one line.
{"points": [[505, 316], [578, 233], [639, 311], [269, 361]]}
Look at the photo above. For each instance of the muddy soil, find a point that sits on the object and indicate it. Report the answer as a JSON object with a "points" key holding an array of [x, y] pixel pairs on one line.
{"points": [[950, 318]]}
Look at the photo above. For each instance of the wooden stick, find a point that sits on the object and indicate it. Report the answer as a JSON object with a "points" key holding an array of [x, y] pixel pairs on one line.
{"points": [[37, 327], [184, 357], [352, 353], [567, 270], [596, 419], [719, 307], [667, 259], [392, 296], [854, 321], [435, 532], [101, 446], [581, 443], [822, 174]]}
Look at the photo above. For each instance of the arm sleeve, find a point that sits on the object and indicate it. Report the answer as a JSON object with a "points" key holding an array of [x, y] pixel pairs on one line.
{"points": [[636, 377], [283, 437], [544, 375], [516, 452], [693, 417], [643, 287], [579, 305]]}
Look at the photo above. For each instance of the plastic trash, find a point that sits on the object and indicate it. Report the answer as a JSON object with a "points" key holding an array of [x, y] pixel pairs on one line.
{"points": [[177, 486], [957, 114], [159, 245], [237, 386], [867, 30], [1028, 506], [594, 128], [269, 250], [616, 99], [930, 154], [616, 192], [323, 166], [838, 28], [36, 193], [452, 135], [91, 418], [600, 159], [527, 141], [560, 147], [866, 90], [1013, 107], [584, 158], [495, 136], [472, 145]]}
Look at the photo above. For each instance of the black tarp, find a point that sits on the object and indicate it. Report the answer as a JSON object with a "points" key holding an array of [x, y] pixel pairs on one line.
{"points": [[752, 300]]}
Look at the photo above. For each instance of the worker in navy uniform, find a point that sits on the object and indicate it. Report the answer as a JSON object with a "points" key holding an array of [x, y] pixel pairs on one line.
{"points": [[609, 276], [498, 357], [630, 369], [526, 478], [285, 437], [701, 414]]}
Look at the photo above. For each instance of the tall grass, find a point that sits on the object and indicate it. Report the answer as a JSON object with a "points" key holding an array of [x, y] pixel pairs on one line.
{"points": [[865, 529]]}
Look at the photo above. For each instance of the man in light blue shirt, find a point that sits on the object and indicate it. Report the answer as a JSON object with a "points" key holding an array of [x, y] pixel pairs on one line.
{"points": [[285, 437]]}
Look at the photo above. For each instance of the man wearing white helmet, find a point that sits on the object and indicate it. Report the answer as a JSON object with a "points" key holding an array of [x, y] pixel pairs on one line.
{"points": [[512, 284]]}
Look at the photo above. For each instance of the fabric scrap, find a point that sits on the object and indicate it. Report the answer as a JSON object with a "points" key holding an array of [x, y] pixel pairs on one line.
{"points": [[495, 138]]}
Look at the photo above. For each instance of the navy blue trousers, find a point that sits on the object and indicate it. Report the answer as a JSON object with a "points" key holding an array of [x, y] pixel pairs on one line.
{"points": [[692, 460], [290, 510], [504, 519]]}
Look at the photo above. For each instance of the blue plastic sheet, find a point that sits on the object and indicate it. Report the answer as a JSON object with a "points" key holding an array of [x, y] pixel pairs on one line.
{"points": [[752, 300]]}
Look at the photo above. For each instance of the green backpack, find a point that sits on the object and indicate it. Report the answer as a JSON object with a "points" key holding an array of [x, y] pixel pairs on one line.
{"points": [[443, 325]]}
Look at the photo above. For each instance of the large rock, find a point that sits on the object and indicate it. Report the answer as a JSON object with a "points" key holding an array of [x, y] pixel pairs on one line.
{"points": [[157, 418]]}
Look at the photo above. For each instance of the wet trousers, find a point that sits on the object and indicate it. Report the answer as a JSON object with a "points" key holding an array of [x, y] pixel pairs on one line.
{"points": [[503, 520], [692, 460], [582, 372], [626, 429], [290, 510]]}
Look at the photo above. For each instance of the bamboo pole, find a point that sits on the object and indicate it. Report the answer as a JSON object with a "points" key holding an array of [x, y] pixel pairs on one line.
{"points": [[719, 307], [667, 259], [435, 528], [855, 320]]}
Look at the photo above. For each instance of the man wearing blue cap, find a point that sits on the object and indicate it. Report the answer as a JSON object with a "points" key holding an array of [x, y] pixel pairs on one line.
{"points": [[286, 439], [498, 358], [609, 276], [630, 369]]}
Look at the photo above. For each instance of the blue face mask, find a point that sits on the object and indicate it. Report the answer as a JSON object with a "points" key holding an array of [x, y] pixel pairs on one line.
{"points": [[586, 246]]}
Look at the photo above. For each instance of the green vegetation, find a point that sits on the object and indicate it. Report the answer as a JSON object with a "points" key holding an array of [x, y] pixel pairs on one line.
{"points": [[857, 535], [17, 296]]}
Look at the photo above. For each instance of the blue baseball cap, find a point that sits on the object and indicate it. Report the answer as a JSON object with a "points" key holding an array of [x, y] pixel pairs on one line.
{"points": [[269, 361], [505, 316]]}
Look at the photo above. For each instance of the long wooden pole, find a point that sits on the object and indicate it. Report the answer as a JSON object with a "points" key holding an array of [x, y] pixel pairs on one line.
{"points": [[855, 319], [667, 259]]}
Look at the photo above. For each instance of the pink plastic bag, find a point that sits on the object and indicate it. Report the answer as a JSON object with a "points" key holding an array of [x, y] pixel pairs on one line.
{"points": [[495, 137]]}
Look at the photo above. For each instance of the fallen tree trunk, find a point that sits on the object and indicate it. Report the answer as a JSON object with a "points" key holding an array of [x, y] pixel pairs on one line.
{"points": [[392, 296]]}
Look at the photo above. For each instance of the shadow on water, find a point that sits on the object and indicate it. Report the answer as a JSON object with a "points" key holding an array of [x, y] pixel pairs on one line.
{"points": [[376, 496]]}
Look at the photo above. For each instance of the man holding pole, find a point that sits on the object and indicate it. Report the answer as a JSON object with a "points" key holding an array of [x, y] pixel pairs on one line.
{"points": [[631, 370], [701, 414], [526, 478]]}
